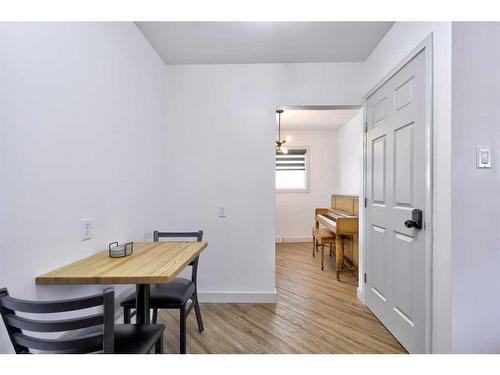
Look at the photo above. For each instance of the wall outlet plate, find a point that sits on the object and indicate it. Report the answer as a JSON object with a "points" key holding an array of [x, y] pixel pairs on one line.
{"points": [[86, 229]]}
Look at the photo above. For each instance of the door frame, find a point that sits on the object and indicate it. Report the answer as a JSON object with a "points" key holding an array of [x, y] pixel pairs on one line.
{"points": [[426, 47]]}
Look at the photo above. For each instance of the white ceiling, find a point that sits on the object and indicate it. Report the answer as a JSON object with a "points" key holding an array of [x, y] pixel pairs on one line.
{"points": [[307, 119], [263, 42]]}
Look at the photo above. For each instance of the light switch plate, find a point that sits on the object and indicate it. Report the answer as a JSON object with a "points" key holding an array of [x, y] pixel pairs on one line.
{"points": [[86, 229], [483, 157]]}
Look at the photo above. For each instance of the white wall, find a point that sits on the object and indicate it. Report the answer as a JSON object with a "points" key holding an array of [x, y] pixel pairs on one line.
{"points": [[295, 211], [398, 42], [220, 145], [350, 156], [81, 135], [475, 203]]}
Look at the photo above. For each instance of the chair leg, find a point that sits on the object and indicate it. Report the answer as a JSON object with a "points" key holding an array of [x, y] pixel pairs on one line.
{"points": [[159, 345], [126, 315], [155, 316], [197, 311], [182, 334], [314, 246], [331, 249]]}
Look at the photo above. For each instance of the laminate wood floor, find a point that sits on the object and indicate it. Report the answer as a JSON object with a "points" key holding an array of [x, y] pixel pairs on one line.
{"points": [[314, 314]]}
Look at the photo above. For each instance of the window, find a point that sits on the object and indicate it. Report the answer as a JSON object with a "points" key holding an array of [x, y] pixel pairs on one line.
{"points": [[291, 170]]}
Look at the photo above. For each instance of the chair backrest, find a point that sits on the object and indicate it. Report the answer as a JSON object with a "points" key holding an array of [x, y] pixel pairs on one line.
{"points": [[102, 340], [199, 237]]}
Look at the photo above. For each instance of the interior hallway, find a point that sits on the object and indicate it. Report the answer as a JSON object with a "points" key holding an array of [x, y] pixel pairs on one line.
{"points": [[313, 314]]}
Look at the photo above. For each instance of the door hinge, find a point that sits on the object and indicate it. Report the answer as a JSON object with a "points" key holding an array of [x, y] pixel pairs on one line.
{"points": [[364, 277], [366, 202], [366, 127]]}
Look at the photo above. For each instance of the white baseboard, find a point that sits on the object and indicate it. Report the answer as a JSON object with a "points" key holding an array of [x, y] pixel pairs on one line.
{"points": [[295, 239], [361, 295], [237, 297]]}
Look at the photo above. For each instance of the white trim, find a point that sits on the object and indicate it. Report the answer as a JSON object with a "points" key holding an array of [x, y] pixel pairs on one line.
{"points": [[319, 107], [361, 209], [360, 293], [295, 239], [426, 45], [281, 191], [237, 297]]}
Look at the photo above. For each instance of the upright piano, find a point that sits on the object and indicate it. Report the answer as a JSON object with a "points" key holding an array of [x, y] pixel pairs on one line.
{"points": [[342, 219]]}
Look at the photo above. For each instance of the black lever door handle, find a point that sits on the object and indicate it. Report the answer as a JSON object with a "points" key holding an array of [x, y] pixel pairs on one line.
{"points": [[416, 219], [411, 224]]}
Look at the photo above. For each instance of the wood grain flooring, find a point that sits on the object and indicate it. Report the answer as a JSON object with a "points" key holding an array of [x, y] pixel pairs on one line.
{"points": [[313, 314]]}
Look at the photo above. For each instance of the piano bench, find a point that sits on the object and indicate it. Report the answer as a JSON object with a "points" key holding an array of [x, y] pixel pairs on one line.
{"points": [[322, 237]]}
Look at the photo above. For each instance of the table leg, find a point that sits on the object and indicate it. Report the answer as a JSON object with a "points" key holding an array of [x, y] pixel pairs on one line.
{"points": [[338, 256], [142, 304]]}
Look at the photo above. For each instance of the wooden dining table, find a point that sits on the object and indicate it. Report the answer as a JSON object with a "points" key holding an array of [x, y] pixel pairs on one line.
{"points": [[150, 263]]}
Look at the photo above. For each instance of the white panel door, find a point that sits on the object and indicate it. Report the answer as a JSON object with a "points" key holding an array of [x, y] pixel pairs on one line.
{"points": [[395, 186]]}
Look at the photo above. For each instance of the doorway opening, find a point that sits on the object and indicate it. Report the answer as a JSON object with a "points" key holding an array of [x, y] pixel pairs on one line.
{"points": [[319, 168], [319, 163]]}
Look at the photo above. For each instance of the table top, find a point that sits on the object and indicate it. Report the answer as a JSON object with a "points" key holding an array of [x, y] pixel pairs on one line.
{"points": [[151, 263]]}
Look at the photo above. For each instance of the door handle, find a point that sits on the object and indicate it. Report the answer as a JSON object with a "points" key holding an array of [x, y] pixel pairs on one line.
{"points": [[416, 219]]}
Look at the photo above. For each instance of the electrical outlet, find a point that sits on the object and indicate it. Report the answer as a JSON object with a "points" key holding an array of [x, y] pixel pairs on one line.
{"points": [[86, 229]]}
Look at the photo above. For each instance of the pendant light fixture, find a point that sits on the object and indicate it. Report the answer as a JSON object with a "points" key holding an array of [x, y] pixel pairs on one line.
{"points": [[280, 144]]}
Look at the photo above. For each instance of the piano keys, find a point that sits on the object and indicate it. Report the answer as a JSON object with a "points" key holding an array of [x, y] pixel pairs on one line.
{"points": [[342, 219]]}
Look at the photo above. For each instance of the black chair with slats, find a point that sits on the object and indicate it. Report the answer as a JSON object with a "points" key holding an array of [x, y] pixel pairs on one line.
{"points": [[174, 295], [98, 331]]}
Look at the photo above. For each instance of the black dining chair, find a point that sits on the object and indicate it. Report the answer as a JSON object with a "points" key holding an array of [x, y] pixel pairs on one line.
{"points": [[174, 295], [91, 333]]}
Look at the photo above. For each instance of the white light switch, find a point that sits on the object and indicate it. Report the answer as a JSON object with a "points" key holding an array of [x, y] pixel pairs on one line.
{"points": [[222, 211], [86, 229], [483, 157]]}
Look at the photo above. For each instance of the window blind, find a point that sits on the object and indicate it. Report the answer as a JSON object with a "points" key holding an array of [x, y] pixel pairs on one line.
{"points": [[295, 160]]}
